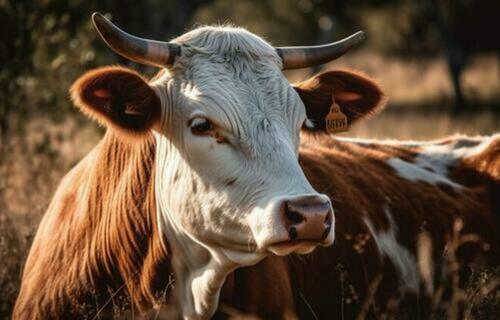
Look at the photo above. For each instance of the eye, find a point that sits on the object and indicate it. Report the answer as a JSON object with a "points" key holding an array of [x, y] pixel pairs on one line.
{"points": [[200, 126]]}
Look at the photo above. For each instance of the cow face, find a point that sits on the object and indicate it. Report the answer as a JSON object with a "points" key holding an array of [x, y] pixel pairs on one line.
{"points": [[227, 124]]}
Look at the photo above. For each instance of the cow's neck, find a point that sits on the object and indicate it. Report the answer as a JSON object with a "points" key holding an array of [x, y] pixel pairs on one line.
{"points": [[200, 272]]}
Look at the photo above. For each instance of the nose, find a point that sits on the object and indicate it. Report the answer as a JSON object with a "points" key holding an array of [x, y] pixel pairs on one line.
{"points": [[308, 218]]}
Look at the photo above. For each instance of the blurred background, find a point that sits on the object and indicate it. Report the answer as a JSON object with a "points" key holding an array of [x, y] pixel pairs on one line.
{"points": [[438, 60]]}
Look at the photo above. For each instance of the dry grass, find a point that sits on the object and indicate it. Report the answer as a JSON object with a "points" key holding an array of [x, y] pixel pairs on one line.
{"points": [[34, 164], [419, 95]]}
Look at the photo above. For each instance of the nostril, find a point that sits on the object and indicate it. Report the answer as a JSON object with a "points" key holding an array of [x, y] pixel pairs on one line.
{"points": [[329, 218], [326, 232], [293, 216], [292, 232]]}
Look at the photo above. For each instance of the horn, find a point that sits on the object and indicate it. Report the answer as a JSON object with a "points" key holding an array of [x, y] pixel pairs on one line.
{"points": [[150, 52], [310, 56]]}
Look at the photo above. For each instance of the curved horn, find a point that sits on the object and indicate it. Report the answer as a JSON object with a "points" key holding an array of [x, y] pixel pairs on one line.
{"points": [[149, 52], [309, 56]]}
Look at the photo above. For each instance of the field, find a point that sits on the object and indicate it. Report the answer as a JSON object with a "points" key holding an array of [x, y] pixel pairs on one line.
{"points": [[419, 108]]}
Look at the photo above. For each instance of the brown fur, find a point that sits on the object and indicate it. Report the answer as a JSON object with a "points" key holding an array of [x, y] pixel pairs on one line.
{"points": [[98, 238]]}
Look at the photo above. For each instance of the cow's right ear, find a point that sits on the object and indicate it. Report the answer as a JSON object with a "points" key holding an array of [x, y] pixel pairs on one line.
{"points": [[119, 98], [355, 95]]}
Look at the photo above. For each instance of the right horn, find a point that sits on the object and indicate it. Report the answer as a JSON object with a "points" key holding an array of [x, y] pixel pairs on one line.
{"points": [[310, 56], [150, 52]]}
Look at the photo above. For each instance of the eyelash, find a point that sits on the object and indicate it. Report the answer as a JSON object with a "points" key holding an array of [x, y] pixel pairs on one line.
{"points": [[200, 128]]}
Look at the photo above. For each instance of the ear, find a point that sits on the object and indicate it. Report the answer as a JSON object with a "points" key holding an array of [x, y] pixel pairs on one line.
{"points": [[357, 96], [119, 98]]}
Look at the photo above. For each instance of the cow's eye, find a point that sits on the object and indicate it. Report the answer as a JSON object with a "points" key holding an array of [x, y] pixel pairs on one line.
{"points": [[200, 126]]}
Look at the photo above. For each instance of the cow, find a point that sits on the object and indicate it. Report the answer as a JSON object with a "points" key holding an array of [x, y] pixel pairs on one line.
{"points": [[219, 189]]}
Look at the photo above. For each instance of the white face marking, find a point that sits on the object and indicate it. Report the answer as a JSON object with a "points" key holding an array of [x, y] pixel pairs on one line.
{"points": [[219, 191], [401, 257]]}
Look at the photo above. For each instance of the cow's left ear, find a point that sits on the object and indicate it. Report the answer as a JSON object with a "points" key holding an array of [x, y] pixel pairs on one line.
{"points": [[118, 98], [356, 95]]}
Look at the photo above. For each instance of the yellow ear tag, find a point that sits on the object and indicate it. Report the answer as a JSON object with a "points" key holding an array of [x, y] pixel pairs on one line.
{"points": [[336, 120]]}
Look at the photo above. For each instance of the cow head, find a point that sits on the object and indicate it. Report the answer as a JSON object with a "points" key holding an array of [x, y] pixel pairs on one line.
{"points": [[229, 186]]}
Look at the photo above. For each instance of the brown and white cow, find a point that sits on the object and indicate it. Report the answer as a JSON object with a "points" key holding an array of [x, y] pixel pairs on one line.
{"points": [[204, 198]]}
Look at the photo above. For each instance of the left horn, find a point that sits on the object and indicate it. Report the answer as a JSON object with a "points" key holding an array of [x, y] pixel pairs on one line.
{"points": [[150, 52], [310, 56]]}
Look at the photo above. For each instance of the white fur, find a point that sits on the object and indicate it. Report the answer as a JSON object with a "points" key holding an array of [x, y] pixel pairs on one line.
{"points": [[414, 172], [434, 160], [218, 202], [459, 141], [401, 257]]}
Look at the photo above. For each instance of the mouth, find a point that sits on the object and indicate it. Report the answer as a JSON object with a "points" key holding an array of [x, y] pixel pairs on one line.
{"points": [[284, 248]]}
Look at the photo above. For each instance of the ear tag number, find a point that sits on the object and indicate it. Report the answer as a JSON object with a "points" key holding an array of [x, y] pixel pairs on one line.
{"points": [[336, 120]]}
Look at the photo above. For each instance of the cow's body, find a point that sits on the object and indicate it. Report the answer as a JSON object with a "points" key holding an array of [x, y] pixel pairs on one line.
{"points": [[99, 242]]}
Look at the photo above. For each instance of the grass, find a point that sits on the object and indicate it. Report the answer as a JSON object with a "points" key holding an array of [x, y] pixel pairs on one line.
{"points": [[420, 99]]}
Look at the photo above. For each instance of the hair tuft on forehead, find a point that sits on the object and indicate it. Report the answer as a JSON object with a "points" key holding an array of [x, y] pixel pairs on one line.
{"points": [[227, 39]]}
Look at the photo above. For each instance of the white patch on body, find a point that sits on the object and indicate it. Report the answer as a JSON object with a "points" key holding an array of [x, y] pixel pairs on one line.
{"points": [[435, 159], [458, 142], [414, 172], [400, 256]]}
